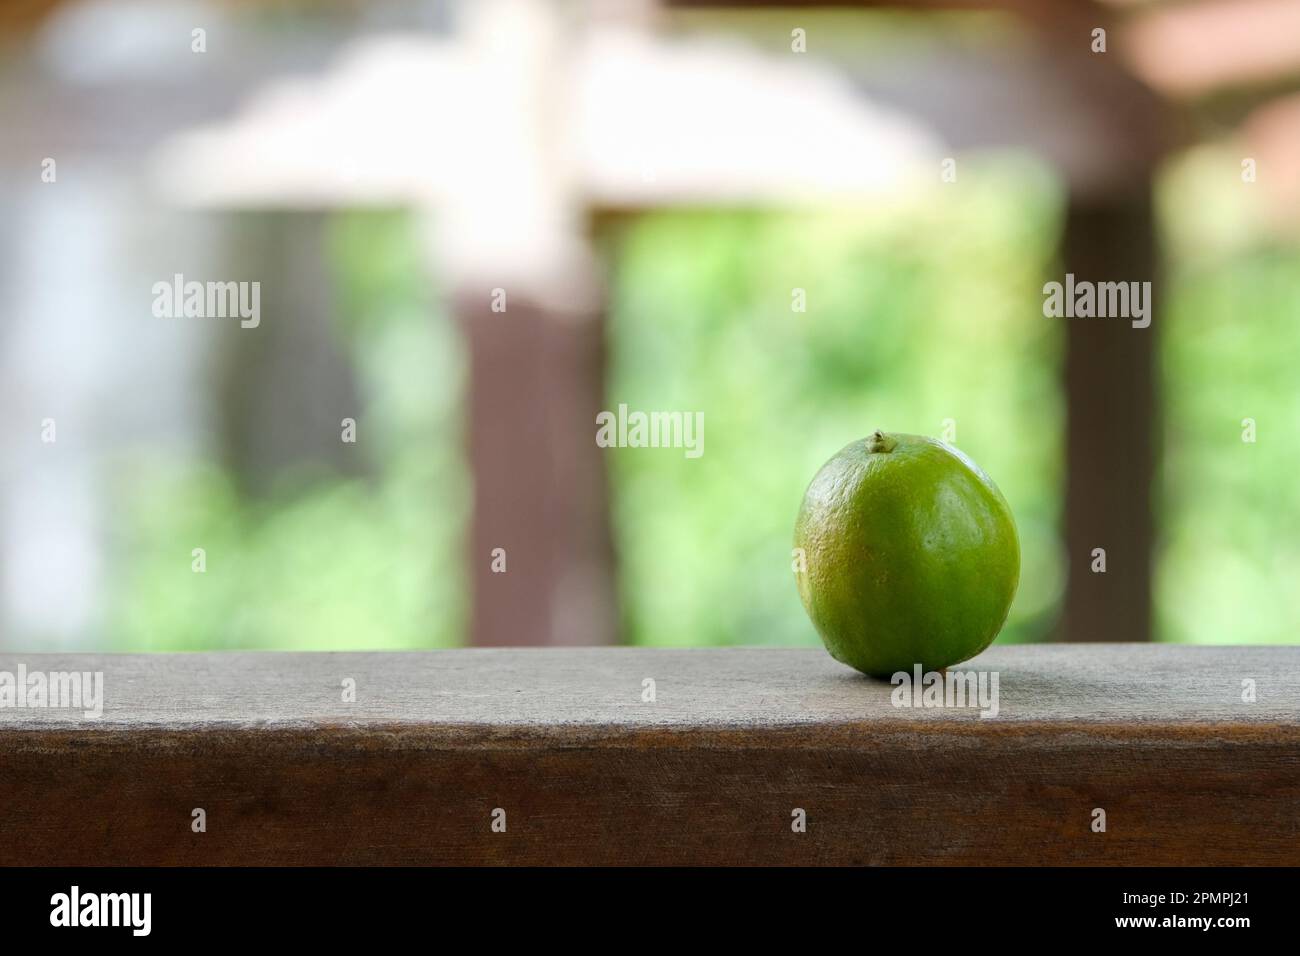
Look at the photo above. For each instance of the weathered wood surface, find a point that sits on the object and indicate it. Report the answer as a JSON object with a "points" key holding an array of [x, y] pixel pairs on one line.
{"points": [[710, 772]]}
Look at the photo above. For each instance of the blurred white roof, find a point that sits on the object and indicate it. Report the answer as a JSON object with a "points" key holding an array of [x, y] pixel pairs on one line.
{"points": [[623, 120]]}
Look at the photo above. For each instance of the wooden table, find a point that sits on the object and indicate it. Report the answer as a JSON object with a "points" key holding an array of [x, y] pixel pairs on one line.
{"points": [[563, 748]]}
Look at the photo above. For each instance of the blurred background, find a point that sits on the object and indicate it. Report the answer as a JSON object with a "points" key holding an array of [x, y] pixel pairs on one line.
{"points": [[475, 225]]}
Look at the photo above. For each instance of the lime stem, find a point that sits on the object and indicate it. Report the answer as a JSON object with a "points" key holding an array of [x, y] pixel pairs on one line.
{"points": [[880, 442]]}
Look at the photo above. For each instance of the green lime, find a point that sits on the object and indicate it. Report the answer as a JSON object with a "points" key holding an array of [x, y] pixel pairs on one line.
{"points": [[909, 555]]}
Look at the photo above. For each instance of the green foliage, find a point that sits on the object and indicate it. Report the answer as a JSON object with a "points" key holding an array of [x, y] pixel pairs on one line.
{"points": [[1229, 510], [1230, 550], [327, 562], [917, 313]]}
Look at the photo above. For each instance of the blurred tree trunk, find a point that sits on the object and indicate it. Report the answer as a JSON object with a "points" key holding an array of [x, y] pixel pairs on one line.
{"points": [[286, 385]]}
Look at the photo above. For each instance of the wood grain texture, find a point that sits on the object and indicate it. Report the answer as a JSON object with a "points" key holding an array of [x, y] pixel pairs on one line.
{"points": [[1157, 736]]}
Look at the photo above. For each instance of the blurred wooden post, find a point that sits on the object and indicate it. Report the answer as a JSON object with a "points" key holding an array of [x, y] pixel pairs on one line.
{"points": [[512, 238], [1111, 427], [536, 382]]}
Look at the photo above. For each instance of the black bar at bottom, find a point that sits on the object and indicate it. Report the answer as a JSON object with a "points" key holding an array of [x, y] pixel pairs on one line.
{"points": [[338, 905]]}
